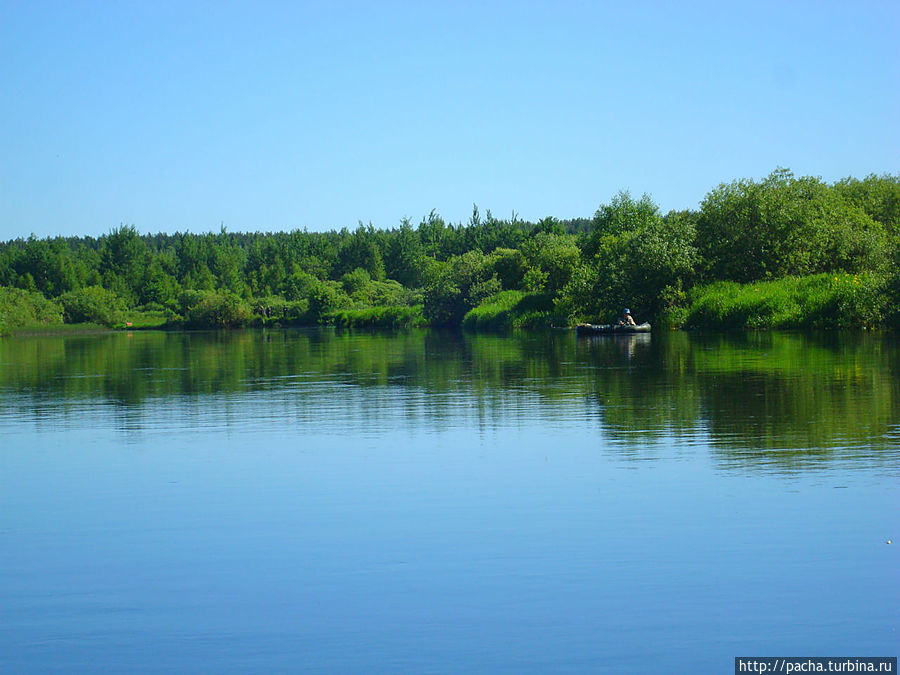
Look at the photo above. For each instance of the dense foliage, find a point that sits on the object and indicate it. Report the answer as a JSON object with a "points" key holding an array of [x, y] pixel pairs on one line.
{"points": [[19, 308], [817, 301], [93, 304], [496, 272]]}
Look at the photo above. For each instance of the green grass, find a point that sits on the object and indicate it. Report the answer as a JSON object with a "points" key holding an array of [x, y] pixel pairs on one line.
{"points": [[395, 316], [146, 319], [59, 329], [819, 301], [513, 309]]}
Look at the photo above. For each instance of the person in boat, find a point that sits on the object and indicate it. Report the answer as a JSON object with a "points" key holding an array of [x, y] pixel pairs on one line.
{"points": [[627, 319]]}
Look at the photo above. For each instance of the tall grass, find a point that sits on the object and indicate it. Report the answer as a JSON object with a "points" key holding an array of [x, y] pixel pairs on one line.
{"points": [[395, 316], [818, 301], [513, 309]]}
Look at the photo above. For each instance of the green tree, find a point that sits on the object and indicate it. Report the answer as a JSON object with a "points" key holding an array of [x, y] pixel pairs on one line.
{"points": [[360, 250], [157, 285], [551, 257], [300, 285], [508, 265], [123, 257], [19, 308], [622, 214], [327, 297], [638, 259], [877, 196], [93, 304], [749, 231], [457, 286], [358, 285], [211, 309], [45, 265], [227, 266], [404, 258], [433, 232]]}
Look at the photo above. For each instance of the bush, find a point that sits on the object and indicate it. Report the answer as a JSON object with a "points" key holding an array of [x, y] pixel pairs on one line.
{"points": [[749, 231], [269, 307], [358, 284], [276, 310], [508, 265], [20, 309], [389, 293], [211, 309], [327, 298], [93, 304], [635, 258], [458, 286], [300, 285], [296, 311], [892, 315], [550, 260]]}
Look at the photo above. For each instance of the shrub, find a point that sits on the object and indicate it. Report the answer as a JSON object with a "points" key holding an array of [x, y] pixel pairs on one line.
{"points": [[457, 286], [269, 307], [300, 285], [508, 265], [749, 231], [296, 311], [93, 304], [19, 308], [550, 260], [325, 299], [635, 257], [274, 309], [211, 309]]}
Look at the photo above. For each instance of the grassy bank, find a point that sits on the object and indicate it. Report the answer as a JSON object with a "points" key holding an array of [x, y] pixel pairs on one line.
{"points": [[863, 300], [513, 309], [399, 316], [818, 301]]}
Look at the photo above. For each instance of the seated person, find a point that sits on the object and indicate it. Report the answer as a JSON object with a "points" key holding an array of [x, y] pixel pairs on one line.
{"points": [[627, 319]]}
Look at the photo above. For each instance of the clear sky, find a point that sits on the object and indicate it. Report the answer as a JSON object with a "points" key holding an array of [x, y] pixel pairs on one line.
{"points": [[183, 115]]}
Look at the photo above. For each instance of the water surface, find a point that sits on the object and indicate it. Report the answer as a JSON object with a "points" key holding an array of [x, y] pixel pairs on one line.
{"points": [[431, 502]]}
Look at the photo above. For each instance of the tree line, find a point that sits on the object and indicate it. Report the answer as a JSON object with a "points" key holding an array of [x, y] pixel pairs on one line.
{"points": [[628, 254]]}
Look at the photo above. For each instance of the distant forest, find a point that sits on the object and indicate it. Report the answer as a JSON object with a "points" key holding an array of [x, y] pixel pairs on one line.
{"points": [[498, 272]]}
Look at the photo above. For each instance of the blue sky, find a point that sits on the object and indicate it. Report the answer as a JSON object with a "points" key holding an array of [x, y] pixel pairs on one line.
{"points": [[280, 115]]}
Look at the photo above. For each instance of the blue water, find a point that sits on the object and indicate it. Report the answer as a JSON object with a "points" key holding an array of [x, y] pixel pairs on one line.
{"points": [[430, 518]]}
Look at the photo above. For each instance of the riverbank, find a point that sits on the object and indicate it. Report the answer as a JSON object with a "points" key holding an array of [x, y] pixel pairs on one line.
{"points": [[823, 301], [783, 252]]}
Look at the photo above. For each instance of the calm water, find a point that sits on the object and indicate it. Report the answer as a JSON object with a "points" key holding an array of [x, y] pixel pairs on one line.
{"points": [[431, 502]]}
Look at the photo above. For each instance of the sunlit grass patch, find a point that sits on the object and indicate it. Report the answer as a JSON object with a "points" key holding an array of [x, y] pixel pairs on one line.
{"points": [[818, 301], [146, 319], [396, 316], [513, 309]]}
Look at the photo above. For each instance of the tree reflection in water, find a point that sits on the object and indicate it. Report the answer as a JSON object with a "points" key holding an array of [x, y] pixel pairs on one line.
{"points": [[771, 400]]}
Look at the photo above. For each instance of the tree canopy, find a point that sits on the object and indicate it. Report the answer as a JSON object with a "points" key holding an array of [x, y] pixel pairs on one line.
{"points": [[628, 254]]}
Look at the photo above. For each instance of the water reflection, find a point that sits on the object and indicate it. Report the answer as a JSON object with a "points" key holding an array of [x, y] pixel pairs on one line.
{"points": [[773, 400]]}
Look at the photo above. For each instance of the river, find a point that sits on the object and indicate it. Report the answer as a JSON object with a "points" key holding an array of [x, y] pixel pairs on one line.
{"points": [[424, 501]]}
